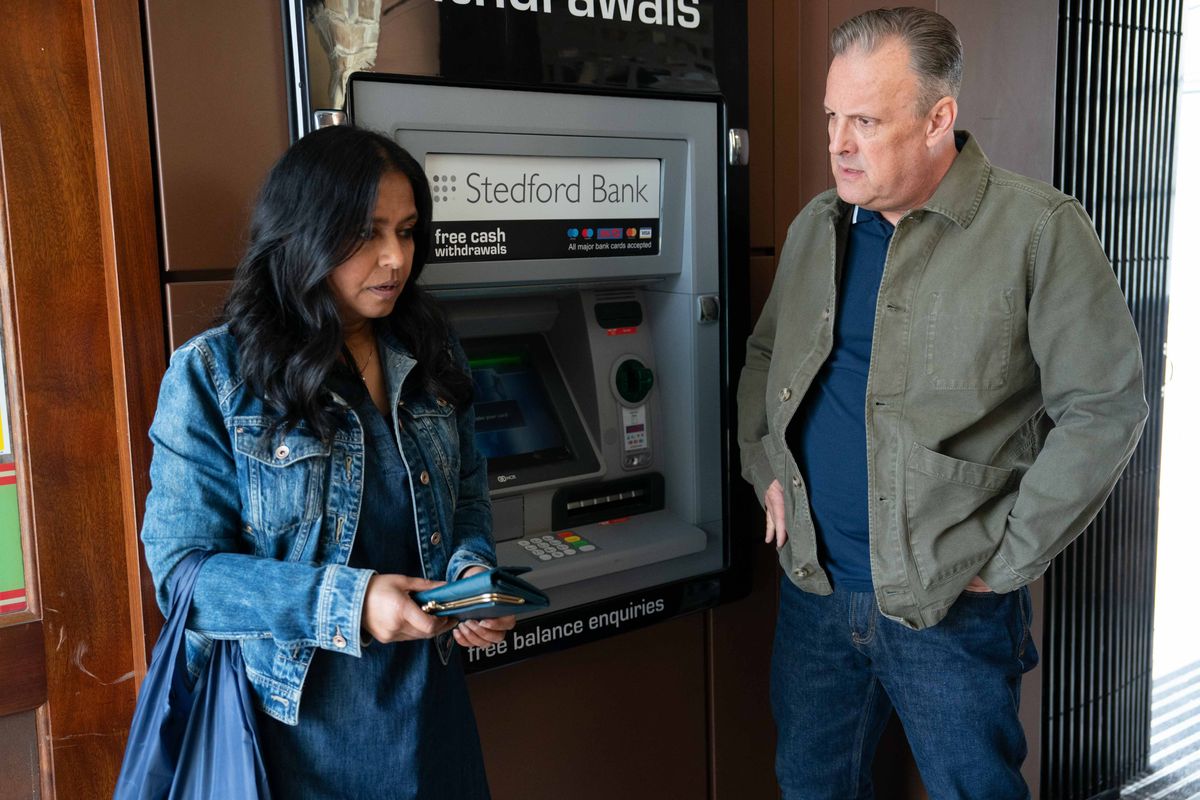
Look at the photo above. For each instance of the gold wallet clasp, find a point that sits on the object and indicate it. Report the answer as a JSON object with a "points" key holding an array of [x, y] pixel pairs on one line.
{"points": [[467, 602]]}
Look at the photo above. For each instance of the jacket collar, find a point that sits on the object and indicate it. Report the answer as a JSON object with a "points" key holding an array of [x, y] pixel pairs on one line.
{"points": [[961, 191], [957, 197], [829, 204], [396, 363]]}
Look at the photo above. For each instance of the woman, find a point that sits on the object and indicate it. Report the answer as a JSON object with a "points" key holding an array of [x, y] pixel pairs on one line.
{"points": [[322, 440]]}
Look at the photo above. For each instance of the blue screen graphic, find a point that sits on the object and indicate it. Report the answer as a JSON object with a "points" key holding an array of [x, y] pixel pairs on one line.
{"points": [[513, 416]]}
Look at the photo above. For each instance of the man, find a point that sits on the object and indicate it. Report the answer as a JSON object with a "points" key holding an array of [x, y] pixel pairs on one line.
{"points": [[942, 389]]}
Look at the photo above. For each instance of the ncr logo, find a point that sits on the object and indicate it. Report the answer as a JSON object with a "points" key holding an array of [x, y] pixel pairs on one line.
{"points": [[443, 187]]}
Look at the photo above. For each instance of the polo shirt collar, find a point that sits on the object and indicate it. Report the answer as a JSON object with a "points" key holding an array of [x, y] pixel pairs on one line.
{"points": [[859, 214]]}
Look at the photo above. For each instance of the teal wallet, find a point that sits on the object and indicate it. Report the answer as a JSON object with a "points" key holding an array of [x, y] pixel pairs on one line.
{"points": [[495, 593]]}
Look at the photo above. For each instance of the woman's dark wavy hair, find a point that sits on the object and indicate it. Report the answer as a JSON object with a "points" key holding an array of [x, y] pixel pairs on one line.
{"points": [[308, 219]]}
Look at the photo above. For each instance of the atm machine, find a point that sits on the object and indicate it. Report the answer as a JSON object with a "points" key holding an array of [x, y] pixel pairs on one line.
{"points": [[578, 248]]}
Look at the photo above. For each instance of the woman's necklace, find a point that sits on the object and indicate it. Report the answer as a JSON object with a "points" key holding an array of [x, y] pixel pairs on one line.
{"points": [[352, 354], [362, 372]]}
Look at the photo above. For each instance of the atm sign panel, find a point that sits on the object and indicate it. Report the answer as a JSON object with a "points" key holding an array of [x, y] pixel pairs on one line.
{"points": [[501, 208]]}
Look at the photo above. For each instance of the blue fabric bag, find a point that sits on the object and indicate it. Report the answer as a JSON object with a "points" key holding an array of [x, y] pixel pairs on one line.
{"points": [[192, 742]]}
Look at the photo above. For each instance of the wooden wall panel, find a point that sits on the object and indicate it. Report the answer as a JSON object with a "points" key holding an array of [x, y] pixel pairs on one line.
{"points": [[1007, 102], [20, 774], [811, 134], [22, 669], [220, 109], [59, 261], [620, 718], [760, 25], [762, 273], [130, 253], [193, 307], [842, 10], [789, 46]]}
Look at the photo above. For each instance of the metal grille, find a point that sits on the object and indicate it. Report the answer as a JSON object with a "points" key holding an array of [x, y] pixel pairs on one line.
{"points": [[1117, 81]]}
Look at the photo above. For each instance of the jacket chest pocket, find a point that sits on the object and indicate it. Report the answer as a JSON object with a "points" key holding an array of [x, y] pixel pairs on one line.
{"points": [[436, 424], [970, 340], [284, 476]]}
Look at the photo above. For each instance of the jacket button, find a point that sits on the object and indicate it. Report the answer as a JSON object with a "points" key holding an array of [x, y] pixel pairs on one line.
{"points": [[282, 451], [825, 314], [436, 539], [796, 480], [801, 572], [424, 478], [339, 641], [785, 395]]}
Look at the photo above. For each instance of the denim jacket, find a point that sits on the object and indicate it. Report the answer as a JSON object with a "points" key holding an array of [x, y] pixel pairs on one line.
{"points": [[282, 509], [1004, 393]]}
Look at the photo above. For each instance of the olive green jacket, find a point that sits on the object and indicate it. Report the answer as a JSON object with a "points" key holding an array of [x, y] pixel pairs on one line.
{"points": [[1004, 396]]}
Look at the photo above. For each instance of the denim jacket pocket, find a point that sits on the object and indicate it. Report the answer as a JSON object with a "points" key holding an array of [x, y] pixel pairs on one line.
{"points": [[970, 341], [284, 478], [436, 422], [197, 648], [956, 513]]}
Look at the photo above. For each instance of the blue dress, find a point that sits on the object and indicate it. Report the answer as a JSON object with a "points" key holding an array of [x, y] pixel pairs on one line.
{"points": [[395, 723]]}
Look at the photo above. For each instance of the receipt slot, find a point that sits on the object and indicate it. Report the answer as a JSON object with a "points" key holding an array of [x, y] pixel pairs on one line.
{"points": [[577, 245]]}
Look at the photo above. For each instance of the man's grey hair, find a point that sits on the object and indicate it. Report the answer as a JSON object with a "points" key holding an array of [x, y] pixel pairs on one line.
{"points": [[935, 51]]}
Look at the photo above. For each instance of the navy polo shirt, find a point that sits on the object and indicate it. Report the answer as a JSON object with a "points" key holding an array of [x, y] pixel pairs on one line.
{"points": [[828, 435]]}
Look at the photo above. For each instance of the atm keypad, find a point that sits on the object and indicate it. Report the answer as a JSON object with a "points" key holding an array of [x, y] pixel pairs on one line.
{"points": [[556, 545]]}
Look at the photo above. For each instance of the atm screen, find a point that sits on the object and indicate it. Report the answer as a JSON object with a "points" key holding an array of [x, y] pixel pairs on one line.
{"points": [[525, 422], [514, 420]]}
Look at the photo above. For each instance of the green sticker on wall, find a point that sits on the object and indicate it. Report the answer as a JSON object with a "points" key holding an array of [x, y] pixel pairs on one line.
{"points": [[12, 567]]}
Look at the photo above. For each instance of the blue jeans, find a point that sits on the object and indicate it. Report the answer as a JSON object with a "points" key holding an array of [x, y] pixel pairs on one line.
{"points": [[839, 667]]}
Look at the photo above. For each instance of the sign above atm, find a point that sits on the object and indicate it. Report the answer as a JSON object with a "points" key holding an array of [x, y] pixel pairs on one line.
{"points": [[505, 207]]}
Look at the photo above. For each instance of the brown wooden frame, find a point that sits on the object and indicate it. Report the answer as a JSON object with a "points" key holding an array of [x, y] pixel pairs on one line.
{"points": [[16, 405], [21, 637], [16, 434], [82, 253]]}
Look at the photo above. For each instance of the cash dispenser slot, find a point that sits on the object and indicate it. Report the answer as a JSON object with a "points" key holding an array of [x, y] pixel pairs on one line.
{"points": [[618, 314], [573, 506]]}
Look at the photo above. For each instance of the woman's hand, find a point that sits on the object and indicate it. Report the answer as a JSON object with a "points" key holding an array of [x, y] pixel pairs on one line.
{"points": [[390, 615], [482, 632]]}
